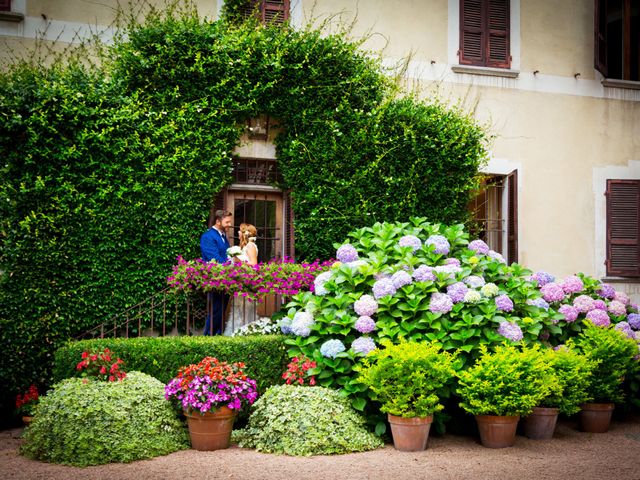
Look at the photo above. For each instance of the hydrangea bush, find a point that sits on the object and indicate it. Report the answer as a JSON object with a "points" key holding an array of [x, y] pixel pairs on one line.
{"points": [[415, 281]]}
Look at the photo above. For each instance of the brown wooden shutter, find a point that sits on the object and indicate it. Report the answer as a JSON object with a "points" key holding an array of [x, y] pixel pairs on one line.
{"points": [[274, 11], [623, 228], [498, 52], [600, 40], [512, 217], [289, 245], [472, 32], [5, 5], [220, 203]]}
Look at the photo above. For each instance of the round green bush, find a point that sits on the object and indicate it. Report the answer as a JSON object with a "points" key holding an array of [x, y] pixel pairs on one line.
{"points": [[305, 421], [87, 422]]}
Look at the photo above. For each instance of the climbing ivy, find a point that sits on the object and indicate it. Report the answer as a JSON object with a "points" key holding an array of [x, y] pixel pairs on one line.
{"points": [[109, 171]]}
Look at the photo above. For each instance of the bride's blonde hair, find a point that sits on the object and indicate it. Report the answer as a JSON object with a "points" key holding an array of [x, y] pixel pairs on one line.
{"points": [[247, 231]]}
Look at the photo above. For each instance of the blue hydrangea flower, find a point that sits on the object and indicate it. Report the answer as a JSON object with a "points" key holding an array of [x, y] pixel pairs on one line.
{"points": [[634, 320], [383, 287], [363, 345], [400, 279], [539, 302], [606, 291], [331, 348], [365, 324], [504, 303], [347, 253], [285, 325], [366, 306], [474, 281], [511, 331], [410, 241], [542, 278], [440, 242], [424, 273], [625, 328], [457, 292], [302, 323], [440, 303], [479, 246]]}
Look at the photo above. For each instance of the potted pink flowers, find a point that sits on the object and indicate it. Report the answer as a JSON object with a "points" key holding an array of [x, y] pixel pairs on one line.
{"points": [[211, 393]]}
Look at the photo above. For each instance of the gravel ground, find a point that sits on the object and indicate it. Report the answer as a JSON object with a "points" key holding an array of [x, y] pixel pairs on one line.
{"points": [[569, 455]]}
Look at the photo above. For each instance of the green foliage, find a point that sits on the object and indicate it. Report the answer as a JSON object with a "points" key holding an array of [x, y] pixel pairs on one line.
{"points": [[89, 422], [326, 425], [574, 373], [613, 352], [406, 315], [109, 171], [264, 355], [509, 381], [407, 378]]}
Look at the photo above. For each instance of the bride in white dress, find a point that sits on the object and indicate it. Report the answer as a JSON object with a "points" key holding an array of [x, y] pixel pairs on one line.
{"points": [[243, 311]]}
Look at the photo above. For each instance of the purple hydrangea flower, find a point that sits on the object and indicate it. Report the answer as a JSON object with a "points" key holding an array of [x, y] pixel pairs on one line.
{"points": [[511, 331], [410, 241], [302, 323], [474, 281], [599, 304], [452, 261], [572, 284], [331, 348], [599, 318], [539, 302], [450, 270], [400, 279], [542, 278], [617, 308], [570, 313], [504, 303], [440, 242], [606, 291], [363, 345], [423, 273], [497, 256], [365, 324], [552, 292], [561, 347], [347, 253], [634, 320], [365, 306], [457, 292], [383, 287], [622, 298], [479, 246], [318, 283], [625, 328], [440, 303], [584, 303]]}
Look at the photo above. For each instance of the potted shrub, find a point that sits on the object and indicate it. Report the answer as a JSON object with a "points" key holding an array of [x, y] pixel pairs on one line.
{"points": [[211, 393], [406, 379], [26, 404], [501, 387], [613, 354], [573, 372]]}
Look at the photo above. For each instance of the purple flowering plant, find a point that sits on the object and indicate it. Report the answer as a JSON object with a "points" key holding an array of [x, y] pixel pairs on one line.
{"points": [[210, 384]]}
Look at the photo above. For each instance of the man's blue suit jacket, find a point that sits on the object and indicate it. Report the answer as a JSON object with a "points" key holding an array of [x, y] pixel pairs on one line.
{"points": [[213, 246]]}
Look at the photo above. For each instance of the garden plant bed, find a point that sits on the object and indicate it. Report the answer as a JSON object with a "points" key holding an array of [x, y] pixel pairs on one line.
{"points": [[569, 455]]}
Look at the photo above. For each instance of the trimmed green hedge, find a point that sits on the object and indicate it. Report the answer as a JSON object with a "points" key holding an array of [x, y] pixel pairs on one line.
{"points": [[265, 356]]}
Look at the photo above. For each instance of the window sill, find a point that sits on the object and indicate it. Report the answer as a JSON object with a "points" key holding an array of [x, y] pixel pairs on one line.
{"points": [[621, 279], [11, 17], [615, 83], [488, 71]]}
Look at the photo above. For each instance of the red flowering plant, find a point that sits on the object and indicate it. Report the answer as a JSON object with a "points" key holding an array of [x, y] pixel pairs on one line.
{"points": [[211, 384], [101, 365], [26, 403], [297, 371]]}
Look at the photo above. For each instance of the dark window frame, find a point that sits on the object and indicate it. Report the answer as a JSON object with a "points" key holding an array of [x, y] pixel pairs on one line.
{"points": [[629, 38], [5, 5]]}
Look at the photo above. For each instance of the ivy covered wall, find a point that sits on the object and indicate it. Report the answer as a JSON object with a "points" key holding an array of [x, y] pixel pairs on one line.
{"points": [[109, 172]]}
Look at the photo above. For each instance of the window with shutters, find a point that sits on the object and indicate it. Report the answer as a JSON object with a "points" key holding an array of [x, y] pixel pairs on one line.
{"points": [[484, 33], [268, 11], [617, 39], [623, 228], [5, 5]]}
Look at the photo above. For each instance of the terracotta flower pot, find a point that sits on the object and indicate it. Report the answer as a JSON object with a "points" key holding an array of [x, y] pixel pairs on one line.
{"points": [[26, 419], [596, 417], [211, 431], [410, 434], [541, 424], [497, 431]]}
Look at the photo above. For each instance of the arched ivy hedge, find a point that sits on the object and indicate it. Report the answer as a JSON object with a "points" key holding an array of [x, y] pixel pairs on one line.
{"points": [[109, 172]]}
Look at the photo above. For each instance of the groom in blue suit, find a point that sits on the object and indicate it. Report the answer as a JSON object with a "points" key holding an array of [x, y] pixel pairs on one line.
{"points": [[214, 245]]}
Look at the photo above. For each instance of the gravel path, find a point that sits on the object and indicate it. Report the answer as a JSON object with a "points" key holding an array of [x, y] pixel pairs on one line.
{"points": [[570, 455]]}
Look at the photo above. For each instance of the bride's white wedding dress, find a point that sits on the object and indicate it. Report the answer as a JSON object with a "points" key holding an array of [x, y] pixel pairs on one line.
{"points": [[242, 311]]}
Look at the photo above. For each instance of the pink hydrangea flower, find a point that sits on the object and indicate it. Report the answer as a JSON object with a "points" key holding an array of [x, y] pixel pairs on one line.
{"points": [[622, 298], [552, 292], [584, 303], [570, 313], [599, 318], [617, 308], [599, 304], [572, 284]]}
